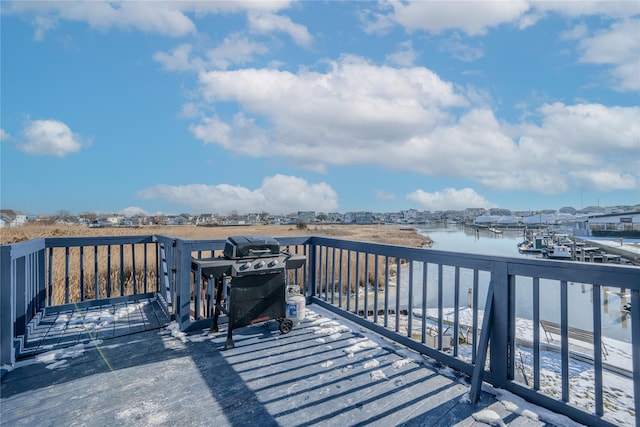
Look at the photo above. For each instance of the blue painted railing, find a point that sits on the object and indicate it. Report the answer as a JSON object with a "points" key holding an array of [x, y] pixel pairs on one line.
{"points": [[408, 295]]}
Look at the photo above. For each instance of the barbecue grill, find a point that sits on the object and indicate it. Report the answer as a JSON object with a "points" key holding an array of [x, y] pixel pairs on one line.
{"points": [[250, 282]]}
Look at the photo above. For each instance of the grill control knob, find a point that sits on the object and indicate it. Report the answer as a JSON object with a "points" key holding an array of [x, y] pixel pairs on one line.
{"points": [[273, 263], [260, 264], [246, 265]]}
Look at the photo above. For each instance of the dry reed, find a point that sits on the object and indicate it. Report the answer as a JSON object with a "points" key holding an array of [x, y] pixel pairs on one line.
{"points": [[73, 280]]}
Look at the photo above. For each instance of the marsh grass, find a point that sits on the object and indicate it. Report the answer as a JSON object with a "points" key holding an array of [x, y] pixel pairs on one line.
{"points": [[74, 277]]}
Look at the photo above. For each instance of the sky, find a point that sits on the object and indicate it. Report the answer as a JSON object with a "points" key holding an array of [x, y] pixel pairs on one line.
{"points": [[142, 107]]}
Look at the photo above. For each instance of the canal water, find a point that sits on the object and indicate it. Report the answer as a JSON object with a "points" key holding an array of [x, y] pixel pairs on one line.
{"points": [[615, 321]]}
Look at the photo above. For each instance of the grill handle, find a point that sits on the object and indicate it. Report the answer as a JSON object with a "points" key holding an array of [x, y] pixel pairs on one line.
{"points": [[259, 251]]}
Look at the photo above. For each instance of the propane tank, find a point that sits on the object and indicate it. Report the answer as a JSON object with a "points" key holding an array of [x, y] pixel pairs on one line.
{"points": [[295, 305]]}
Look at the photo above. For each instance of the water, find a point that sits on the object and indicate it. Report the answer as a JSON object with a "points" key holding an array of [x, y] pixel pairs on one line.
{"points": [[615, 322]]}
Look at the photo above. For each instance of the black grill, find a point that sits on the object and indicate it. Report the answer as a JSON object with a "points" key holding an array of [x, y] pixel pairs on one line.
{"points": [[250, 282]]}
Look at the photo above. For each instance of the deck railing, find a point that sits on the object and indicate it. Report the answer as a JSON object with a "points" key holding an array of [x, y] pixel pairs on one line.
{"points": [[452, 307]]}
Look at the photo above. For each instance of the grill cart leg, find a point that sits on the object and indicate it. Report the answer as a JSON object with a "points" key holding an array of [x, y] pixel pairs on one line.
{"points": [[218, 301], [229, 344]]}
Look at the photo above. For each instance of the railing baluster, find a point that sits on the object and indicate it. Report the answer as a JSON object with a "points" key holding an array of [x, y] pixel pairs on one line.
{"points": [[456, 311], [66, 275], [410, 301], [474, 327], [50, 278], [511, 335], [398, 286], [133, 269], [96, 274], [424, 302], [440, 307], [376, 266], [340, 281], [108, 271], [366, 285], [536, 333], [122, 270], [564, 326], [333, 274], [146, 268], [81, 273], [597, 349], [386, 291], [348, 280], [357, 277], [326, 273]]}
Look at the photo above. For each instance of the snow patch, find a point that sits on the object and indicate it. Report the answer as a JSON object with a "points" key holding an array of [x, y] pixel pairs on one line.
{"points": [[400, 363], [488, 416], [371, 364], [378, 375]]}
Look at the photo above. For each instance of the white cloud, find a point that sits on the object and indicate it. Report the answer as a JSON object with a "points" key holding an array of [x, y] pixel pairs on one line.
{"points": [[436, 17], [404, 56], [4, 135], [235, 49], [179, 59], [278, 194], [449, 199], [51, 138], [410, 119], [480, 16], [159, 17], [461, 50], [267, 22], [617, 47]]}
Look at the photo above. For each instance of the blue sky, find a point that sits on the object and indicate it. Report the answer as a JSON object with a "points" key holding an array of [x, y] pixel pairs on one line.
{"points": [[219, 107]]}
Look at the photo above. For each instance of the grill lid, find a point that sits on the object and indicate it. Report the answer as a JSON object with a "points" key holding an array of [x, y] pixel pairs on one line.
{"points": [[237, 247]]}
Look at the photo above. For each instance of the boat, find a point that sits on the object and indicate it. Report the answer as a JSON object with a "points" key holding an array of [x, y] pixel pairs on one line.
{"points": [[558, 252], [538, 245], [495, 230]]}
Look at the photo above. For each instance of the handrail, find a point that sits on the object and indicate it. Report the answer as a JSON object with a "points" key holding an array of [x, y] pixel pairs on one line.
{"points": [[403, 293]]}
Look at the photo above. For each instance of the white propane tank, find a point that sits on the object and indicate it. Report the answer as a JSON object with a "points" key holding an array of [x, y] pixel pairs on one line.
{"points": [[295, 306]]}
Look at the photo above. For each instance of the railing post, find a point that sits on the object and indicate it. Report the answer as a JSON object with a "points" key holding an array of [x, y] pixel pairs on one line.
{"points": [[41, 301], [8, 312], [21, 299], [501, 318], [183, 285]]}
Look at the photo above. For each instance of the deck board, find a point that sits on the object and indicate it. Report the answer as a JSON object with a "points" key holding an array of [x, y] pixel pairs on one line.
{"points": [[304, 378]]}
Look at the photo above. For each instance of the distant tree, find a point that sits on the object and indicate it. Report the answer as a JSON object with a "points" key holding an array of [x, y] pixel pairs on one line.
{"points": [[301, 225], [63, 215], [89, 216]]}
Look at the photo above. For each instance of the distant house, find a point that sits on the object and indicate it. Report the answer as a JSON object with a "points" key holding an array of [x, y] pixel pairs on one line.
{"points": [[11, 218], [307, 217], [363, 217]]}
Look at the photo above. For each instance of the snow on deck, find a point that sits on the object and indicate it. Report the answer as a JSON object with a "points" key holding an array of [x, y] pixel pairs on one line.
{"points": [[326, 371]]}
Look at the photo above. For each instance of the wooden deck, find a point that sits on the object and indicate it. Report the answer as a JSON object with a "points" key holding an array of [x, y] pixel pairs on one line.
{"points": [[324, 372]]}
